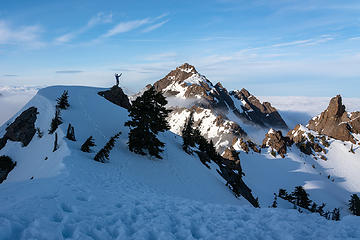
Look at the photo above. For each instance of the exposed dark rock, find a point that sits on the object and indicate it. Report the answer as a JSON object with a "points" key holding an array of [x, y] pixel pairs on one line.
{"points": [[317, 147], [116, 96], [244, 146], [231, 154], [6, 165], [253, 146], [204, 158], [307, 142], [277, 141], [335, 121], [22, 129], [262, 114]]}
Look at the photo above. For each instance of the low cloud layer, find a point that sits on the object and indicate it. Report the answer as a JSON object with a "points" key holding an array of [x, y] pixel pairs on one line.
{"points": [[69, 71]]}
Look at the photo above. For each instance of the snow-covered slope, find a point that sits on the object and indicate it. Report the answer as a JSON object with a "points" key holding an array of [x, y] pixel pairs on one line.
{"points": [[70, 196]]}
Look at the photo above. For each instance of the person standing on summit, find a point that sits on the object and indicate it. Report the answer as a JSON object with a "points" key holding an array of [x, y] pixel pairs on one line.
{"points": [[117, 77]]}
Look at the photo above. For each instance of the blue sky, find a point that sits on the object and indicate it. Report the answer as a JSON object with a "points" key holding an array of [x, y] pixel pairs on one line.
{"points": [[278, 47]]}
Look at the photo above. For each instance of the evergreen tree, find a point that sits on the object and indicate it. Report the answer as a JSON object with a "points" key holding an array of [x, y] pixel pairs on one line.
{"points": [[313, 207], [62, 101], [335, 214], [301, 197], [103, 154], [354, 205], [320, 209], [87, 144], [39, 132], [70, 134], [274, 204], [55, 122], [282, 193], [188, 134], [56, 145], [148, 118]]}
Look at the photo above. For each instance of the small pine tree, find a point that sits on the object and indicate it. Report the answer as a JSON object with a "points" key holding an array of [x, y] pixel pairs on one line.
{"points": [[301, 197], [354, 205], [55, 122], [320, 209], [313, 207], [148, 118], [62, 101], [56, 145], [335, 214], [188, 134], [282, 193], [274, 204], [87, 144], [40, 134], [70, 134], [103, 155]]}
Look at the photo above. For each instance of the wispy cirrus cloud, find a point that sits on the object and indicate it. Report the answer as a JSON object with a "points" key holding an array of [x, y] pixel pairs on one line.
{"points": [[128, 26], [100, 18], [306, 42], [25, 35], [155, 26]]}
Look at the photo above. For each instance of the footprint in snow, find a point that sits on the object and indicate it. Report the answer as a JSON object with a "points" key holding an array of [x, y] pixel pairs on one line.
{"points": [[66, 208]]}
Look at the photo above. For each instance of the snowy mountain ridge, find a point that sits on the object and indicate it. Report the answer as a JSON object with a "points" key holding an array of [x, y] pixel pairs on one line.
{"points": [[136, 197]]}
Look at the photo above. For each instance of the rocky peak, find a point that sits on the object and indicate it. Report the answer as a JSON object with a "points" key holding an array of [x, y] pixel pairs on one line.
{"points": [[261, 113], [336, 108], [187, 68], [116, 96], [277, 141], [336, 122]]}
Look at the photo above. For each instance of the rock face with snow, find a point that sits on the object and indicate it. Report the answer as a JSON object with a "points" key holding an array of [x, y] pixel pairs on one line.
{"points": [[261, 113], [116, 96], [219, 114], [211, 125], [336, 122], [277, 141], [22, 129]]}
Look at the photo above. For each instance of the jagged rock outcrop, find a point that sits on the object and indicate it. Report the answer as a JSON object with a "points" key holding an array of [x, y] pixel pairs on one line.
{"points": [[231, 154], [277, 141], [261, 113], [116, 96], [306, 141], [22, 129], [335, 122], [6, 165]]}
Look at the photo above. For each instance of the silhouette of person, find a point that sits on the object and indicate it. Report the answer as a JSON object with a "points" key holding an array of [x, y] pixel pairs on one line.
{"points": [[117, 76]]}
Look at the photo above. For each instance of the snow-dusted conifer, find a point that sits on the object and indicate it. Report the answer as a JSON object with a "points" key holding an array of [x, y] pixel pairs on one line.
{"points": [[62, 101], [87, 144], [354, 205], [55, 122], [148, 118], [103, 155]]}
